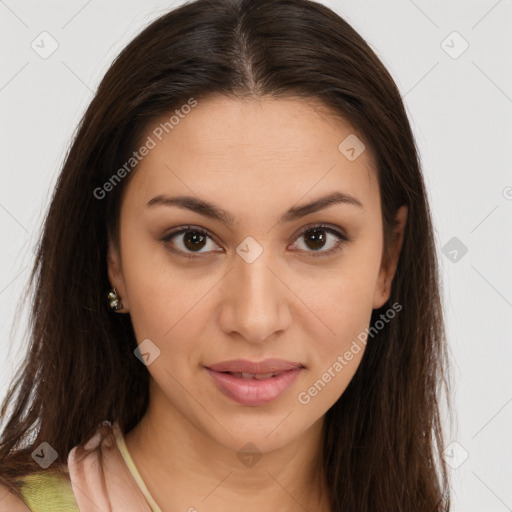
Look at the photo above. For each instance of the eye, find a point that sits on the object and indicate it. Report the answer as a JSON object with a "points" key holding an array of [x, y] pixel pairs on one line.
{"points": [[315, 238], [190, 240]]}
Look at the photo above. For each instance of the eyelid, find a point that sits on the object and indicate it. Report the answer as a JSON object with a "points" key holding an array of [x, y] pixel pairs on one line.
{"points": [[184, 229], [338, 232], [331, 228]]}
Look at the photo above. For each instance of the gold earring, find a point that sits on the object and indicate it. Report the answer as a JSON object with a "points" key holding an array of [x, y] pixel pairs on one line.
{"points": [[114, 300]]}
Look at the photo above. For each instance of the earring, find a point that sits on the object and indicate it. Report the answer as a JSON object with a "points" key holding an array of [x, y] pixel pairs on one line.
{"points": [[114, 300]]}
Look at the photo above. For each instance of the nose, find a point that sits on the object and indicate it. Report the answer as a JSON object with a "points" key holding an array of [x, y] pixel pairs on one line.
{"points": [[255, 302]]}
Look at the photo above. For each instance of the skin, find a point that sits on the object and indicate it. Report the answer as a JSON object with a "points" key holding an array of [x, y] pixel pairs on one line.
{"points": [[254, 158]]}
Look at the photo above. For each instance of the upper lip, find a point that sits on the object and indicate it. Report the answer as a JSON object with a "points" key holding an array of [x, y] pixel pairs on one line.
{"points": [[261, 367]]}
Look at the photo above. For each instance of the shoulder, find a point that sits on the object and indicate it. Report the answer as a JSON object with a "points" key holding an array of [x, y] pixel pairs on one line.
{"points": [[9, 502], [42, 492]]}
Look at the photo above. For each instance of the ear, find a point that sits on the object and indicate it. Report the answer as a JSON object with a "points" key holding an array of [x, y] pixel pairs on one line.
{"points": [[115, 274], [387, 272]]}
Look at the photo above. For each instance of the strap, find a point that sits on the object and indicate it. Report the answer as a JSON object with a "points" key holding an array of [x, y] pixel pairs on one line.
{"points": [[100, 477]]}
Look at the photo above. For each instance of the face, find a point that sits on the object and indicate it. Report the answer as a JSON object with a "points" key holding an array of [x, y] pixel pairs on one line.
{"points": [[257, 274]]}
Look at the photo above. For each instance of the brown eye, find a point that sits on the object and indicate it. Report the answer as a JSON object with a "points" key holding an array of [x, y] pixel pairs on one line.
{"points": [[190, 240], [194, 240], [316, 238]]}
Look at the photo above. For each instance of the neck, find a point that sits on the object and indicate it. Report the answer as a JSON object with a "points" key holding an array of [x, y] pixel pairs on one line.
{"points": [[185, 469]]}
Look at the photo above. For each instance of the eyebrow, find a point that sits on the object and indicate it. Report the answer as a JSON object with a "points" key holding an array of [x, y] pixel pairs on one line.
{"points": [[214, 212]]}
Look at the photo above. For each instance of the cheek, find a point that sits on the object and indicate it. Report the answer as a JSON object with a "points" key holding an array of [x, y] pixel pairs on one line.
{"points": [[158, 293], [170, 306], [343, 304], [345, 309], [342, 296], [335, 357], [166, 306]]}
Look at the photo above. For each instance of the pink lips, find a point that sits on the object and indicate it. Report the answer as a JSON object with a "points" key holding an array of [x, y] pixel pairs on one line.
{"points": [[261, 382]]}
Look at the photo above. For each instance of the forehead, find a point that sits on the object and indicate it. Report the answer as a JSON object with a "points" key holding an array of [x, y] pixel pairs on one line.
{"points": [[281, 149]]}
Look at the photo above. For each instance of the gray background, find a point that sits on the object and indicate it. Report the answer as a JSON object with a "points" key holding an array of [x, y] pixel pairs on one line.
{"points": [[460, 106]]}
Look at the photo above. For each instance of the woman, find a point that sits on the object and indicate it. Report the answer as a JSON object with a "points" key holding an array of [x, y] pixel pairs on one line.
{"points": [[236, 290]]}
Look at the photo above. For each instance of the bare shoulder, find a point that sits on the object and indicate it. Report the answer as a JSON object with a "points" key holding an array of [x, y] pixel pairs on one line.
{"points": [[10, 502]]}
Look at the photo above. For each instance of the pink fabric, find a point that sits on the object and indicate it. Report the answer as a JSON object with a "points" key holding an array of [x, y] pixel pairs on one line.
{"points": [[100, 477]]}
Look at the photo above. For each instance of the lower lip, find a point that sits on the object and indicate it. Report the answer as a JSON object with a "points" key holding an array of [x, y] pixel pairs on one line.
{"points": [[251, 391]]}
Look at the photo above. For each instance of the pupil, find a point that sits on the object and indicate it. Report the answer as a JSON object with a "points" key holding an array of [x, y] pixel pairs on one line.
{"points": [[192, 238], [317, 237], [195, 240]]}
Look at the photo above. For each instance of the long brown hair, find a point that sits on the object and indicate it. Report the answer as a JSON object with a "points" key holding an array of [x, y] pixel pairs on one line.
{"points": [[383, 438]]}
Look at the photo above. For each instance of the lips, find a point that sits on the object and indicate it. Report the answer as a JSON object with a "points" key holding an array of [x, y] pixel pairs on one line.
{"points": [[272, 366], [257, 376], [254, 383]]}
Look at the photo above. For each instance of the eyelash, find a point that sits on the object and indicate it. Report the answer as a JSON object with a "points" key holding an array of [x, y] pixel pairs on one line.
{"points": [[342, 239]]}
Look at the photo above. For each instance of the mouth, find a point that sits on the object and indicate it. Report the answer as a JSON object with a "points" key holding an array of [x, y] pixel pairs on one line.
{"points": [[257, 376], [270, 366], [254, 389]]}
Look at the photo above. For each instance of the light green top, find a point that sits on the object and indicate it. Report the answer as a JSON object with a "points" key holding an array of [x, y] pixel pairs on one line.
{"points": [[46, 492]]}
